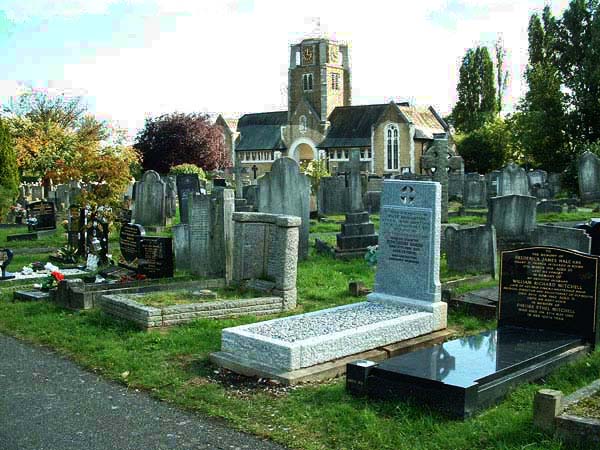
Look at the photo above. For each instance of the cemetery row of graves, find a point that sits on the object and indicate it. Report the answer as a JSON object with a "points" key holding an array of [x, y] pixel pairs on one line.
{"points": [[243, 299]]}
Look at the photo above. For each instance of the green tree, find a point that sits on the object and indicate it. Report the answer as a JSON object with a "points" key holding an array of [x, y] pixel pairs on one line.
{"points": [[9, 176], [540, 123], [477, 100], [488, 147], [501, 73], [578, 59]]}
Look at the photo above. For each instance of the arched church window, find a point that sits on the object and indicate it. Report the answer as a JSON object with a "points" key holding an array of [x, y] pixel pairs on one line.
{"points": [[307, 81], [302, 127], [392, 141]]}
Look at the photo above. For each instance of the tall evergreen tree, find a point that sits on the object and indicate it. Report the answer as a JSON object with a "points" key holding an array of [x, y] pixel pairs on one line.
{"points": [[501, 73], [9, 175], [578, 46], [476, 91], [540, 124]]}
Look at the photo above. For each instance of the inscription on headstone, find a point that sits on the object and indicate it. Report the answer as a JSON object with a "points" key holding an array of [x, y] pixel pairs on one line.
{"points": [[549, 288], [409, 240], [129, 241], [44, 214], [156, 257]]}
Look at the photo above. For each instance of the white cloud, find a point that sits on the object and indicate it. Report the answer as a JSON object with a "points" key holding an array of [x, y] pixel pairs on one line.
{"points": [[232, 56]]}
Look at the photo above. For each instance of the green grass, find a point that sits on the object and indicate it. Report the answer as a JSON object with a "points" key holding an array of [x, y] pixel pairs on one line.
{"points": [[174, 366], [185, 296]]}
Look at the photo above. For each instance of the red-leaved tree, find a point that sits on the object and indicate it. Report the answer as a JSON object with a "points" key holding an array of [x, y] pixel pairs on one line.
{"points": [[178, 138]]}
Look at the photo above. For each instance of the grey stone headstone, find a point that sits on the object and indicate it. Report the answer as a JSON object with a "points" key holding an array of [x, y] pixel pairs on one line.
{"points": [[474, 191], [563, 237], [187, 184], [492, 183], [199, 206], [409, 240], [355, 191], [333, 195], [285, 190], [544, 207], [513, 216], [589, 177], [554, 184], [513, 181], [171, 196], [537, 178], [150, 202], [471, 249]]}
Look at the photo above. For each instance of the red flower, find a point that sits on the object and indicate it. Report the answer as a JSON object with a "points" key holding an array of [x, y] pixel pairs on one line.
{"points": [[57, 276]]}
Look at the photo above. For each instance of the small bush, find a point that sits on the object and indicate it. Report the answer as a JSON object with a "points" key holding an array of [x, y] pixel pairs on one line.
{"points": [[188, 169]]}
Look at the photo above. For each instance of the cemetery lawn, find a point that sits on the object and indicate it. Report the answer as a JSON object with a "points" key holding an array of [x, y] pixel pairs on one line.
{"points": [[186, 296], [173, 365]]}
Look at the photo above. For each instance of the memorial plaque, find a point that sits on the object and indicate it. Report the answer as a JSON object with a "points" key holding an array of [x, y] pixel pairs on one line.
{"points": [[187, 184], [45, 214], [549, 288], [156, 257], [6, 257], [129, 241], [409, 240]]}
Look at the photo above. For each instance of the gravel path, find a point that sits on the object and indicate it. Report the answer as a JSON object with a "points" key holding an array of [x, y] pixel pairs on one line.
{"points": [[48, 403], [304, 326]]}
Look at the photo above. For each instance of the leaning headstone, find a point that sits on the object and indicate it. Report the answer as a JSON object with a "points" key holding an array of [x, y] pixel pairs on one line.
{"points": [[187, 184], [150, 201], [471, 249], [42, 215], [589, 177], [475, 191], [513, 216], [562, 237], [513, 181], [285, 190]]}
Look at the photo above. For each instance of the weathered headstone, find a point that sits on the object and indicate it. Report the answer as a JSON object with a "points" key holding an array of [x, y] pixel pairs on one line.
{"points": [[561, 237], [266, 249], [492, 180], [6, 257], [285, 190], [471, 249], [589, 177], [156, 257], [439, 159], [43, 214], [358, 233], [204, 246], [475, 191], [150, 201], [333, 195], [239, 186], [355, 189], [546, 206], [187, 184], [513, 181], [513, 216]]}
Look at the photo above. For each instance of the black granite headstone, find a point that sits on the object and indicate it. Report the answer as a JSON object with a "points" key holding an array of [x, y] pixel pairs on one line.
{"points": [[156, 257], [129, 241], [549, 288], [6, 256], [97, 238], [125, 215], [76, 234], [219, 182], [187, 184], [44, 214]]}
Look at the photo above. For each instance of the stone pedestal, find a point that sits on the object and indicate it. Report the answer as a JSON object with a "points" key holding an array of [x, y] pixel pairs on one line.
{"points": [[358, 233]]}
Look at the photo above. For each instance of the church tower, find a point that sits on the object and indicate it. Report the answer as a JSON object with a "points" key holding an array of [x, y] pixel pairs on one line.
{"points": [[320, 73]]}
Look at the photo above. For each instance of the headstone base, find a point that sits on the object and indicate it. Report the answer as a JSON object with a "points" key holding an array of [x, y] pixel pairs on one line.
{"points": [[466, 375], [358, 233]]}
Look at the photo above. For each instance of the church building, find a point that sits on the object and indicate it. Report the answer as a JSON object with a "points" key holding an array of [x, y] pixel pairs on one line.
{"points": [[321, 122]]}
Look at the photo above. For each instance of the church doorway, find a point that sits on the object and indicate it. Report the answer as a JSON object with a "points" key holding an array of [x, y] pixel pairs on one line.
{"points": [[304, 150]]}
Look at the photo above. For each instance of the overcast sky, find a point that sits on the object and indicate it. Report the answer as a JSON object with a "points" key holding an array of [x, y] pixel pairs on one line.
{"points": [[130, 59]]}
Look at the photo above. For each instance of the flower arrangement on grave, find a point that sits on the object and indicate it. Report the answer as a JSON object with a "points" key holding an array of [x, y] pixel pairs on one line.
{"points": [[128, 278], [54, 277], [371, 255], [18, 211], [67, 254]]}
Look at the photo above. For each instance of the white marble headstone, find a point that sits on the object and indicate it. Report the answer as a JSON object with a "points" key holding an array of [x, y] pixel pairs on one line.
{"points": [[408, 263]]}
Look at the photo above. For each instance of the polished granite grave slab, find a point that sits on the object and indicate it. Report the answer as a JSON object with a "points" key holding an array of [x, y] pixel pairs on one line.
{"points": [[464, 375]]}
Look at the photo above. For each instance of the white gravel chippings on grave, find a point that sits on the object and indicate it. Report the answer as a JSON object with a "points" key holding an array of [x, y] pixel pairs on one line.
{"points": [[297, 328]]}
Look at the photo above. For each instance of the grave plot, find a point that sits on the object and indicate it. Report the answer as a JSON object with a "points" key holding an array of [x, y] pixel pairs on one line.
{"points": [[547, 316], [406, 302], [208, 299]]}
